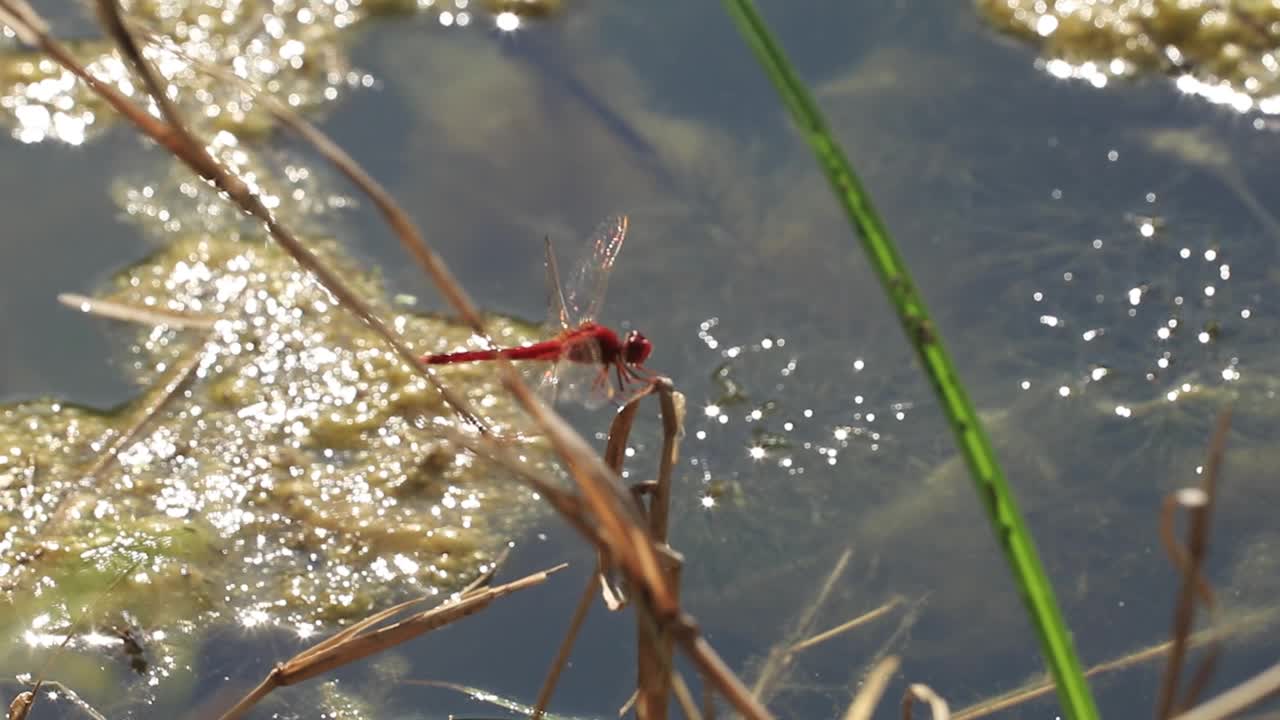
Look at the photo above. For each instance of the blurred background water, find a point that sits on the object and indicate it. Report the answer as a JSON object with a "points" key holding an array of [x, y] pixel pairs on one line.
{"points": [[1100, 261]]}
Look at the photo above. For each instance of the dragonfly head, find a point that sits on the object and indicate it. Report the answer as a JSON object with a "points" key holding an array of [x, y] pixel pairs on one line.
{"points": [[636, 348]]}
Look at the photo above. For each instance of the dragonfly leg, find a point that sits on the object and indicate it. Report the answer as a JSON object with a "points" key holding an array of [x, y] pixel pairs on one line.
{"points": [[602, 379]]}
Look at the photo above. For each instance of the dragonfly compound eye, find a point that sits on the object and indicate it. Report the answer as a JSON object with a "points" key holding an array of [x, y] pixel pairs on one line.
{"points": [[638, 348]]}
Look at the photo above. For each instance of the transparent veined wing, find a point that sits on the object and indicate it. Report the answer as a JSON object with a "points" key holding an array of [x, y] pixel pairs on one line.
{"points": [[584, 293]]}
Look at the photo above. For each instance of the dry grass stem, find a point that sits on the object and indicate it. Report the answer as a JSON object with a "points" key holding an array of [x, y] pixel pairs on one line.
{"points": [[71, 696], [899, 633], [132, 313], [716, 671], [360, 641], [847, 626], [1198, 503], [685, 697], [872, 689], [1253, 622], [778, 662], [157, 398], [1263, 686], [917, 692], [566, 647]]}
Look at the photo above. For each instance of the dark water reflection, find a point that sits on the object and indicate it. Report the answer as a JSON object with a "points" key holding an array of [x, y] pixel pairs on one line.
{"points": [[809, 430]]}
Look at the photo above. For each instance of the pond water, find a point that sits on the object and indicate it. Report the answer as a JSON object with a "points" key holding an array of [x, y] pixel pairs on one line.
{"points": [[1100, 261]]}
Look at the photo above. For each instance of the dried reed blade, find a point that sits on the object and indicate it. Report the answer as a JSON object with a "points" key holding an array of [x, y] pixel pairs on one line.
{"points": [[715, 670], [673, 412], [872, 689], [654, 650], [132, 313], [615, 448], [621, 527], [328, 654], [917, 692]]}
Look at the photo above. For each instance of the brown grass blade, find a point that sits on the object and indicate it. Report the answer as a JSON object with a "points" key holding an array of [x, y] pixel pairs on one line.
{"points": [[347, 647]]}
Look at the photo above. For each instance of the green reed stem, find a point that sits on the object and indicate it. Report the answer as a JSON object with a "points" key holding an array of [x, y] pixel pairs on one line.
{"points": [[1006, 521]]}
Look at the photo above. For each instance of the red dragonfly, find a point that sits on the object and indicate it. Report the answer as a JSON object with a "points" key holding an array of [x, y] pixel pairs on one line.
{"points": [[582, 353]]}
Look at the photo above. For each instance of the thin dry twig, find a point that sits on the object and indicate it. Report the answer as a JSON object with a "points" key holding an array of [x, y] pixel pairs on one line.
{"points": [[782, 654], [1198, 502], [1263, 686], [685, 697], [917, 692], [71, 697], [135, 314], [845, 627], [566, 647], [360, 641], [714, 669], [873, 689], [1251, 623], [157, 400]]}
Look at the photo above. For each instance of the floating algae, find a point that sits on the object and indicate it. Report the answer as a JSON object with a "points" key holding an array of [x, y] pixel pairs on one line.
{"points": [[1225, 52], [217, 57], [299, 479]]}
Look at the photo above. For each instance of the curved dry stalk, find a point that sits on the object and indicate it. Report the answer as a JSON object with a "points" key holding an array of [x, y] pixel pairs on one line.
{"points": [[918, 692]]}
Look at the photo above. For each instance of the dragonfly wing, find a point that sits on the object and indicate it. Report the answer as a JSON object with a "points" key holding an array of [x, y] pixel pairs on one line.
{"points": [[557, 311], [584, 295]]}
